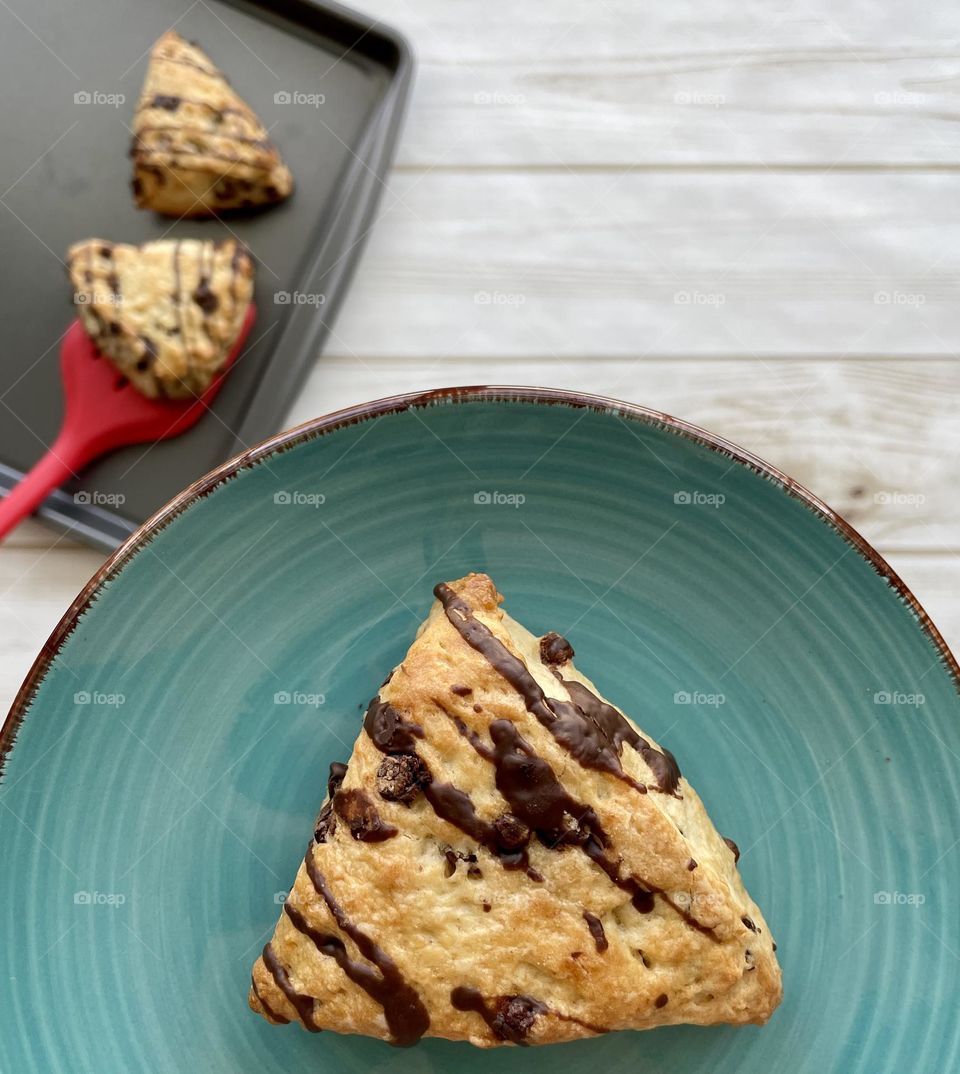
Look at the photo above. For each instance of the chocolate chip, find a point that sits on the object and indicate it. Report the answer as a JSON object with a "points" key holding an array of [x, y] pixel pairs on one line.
{"points": [[114, 329], [271, 192], [325, 824], [461, 691], [555, 649], [661, 1000], [733, 846], [355, 807], [487, 908], [748, 923], [106, 251], [643, 901], [511, 832], [595, 925], [149, 348], [478, 708], [401, 776], [162, 100], [137, 187], [514, 1017], [205, 298], [453, 856], [335, 777], [691, 865]]}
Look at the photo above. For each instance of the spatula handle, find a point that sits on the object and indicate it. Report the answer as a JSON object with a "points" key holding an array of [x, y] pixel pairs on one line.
{"points": [[58, 465]]}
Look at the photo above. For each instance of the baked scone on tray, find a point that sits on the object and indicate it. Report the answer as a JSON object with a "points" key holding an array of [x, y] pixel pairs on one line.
{"points": [[506, 858], [198, 148], [168, 313]]}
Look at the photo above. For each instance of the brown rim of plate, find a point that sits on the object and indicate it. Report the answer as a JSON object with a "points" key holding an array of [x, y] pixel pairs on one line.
{"points": [[395, 404]]}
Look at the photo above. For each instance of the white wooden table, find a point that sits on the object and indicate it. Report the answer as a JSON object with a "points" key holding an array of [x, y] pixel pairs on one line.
{"points": [[742, 212]]}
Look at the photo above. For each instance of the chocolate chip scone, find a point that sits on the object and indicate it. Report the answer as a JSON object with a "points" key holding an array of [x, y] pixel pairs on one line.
{"points": [[198, 148], [506, 858], [168, 313]]}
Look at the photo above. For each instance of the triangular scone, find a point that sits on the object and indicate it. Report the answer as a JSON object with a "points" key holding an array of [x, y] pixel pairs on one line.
{"points": [[507, 859], [167, 313], [198, 148]]}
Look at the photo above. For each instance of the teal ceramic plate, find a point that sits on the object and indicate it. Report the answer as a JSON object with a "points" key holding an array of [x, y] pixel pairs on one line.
{"points": [[173, 738]]}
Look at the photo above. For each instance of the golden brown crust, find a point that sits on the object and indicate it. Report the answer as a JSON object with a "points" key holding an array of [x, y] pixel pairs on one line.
{"points": [[554, 949], [167, 313], [198, 148]]}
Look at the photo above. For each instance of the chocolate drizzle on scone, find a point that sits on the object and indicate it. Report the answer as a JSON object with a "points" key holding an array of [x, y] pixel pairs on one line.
{"points": [[273, 1015], [302, 1003], [539, 800], [395, 736], [511, 1018], [590, 730], [402, 1007]]}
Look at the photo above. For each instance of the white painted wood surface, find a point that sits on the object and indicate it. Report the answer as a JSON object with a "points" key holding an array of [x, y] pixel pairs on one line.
{"points": [[743, 213]]}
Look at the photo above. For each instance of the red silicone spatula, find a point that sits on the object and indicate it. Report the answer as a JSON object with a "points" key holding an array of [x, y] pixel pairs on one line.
{"points": [[103, 412]]}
